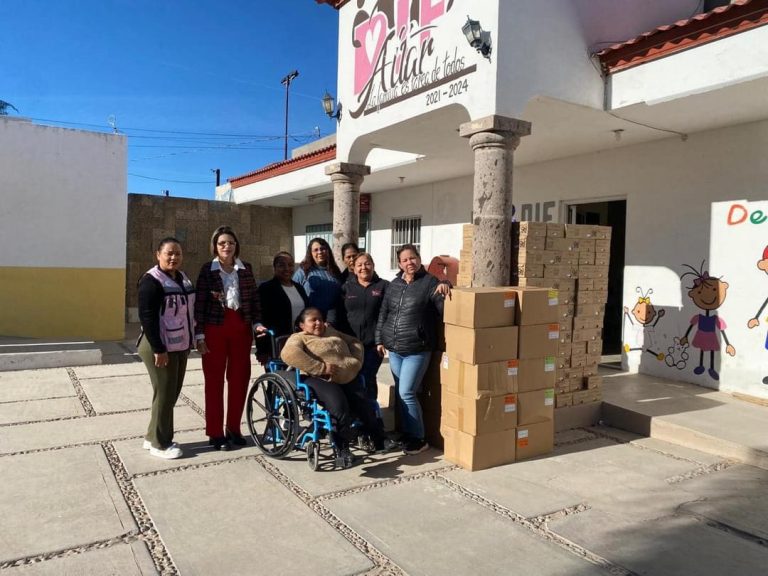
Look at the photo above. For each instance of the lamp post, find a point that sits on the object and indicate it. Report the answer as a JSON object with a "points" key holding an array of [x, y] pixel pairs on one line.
{"points": [[286, 81]]}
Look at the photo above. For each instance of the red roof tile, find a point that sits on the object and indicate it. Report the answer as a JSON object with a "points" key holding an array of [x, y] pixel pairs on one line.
{"points": [[284, 167], [740, 16], [333, 3]]}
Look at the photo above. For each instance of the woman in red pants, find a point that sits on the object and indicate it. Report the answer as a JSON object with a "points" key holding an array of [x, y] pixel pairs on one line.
{"points": [[227, 312]]}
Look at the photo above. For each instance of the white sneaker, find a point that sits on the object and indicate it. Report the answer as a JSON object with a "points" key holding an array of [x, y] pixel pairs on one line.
{"points": [[170, 453], [147, 445]]}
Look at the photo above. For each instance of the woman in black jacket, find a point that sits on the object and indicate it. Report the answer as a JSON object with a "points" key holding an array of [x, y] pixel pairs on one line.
{"points": [[282, 300], [361, 297], [407, 328]]}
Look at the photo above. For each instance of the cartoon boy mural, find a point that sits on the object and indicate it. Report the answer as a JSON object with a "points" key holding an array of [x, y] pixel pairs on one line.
{"points": [[762, 264], [708, 294], [643, 319]]}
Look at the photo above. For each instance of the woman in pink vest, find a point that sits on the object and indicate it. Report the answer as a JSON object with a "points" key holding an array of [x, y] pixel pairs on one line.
{"points": [[166, 312]]}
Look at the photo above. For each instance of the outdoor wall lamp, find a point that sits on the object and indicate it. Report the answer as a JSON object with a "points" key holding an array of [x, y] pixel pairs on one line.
{"points": [[477, 37], [329, 108]]}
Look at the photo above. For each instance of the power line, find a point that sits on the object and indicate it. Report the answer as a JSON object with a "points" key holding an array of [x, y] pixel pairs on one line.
{"points": [[209, 182]]}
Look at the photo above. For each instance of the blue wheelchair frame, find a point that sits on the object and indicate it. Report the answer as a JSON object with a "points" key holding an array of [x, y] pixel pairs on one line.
{"points": [[298, 399]]}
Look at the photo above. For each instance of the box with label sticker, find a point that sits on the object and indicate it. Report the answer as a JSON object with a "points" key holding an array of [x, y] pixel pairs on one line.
{"points": [[534, 373], [481, 345], [479, 415], [536, 305], [475, 380], [478, 452], [481, 307], [534, 440], [535, 406], [539, 340]]}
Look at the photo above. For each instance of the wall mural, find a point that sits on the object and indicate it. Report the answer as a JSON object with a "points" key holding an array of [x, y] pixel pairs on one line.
{"points": [[762, 265], [642, 320], [708, 294]]}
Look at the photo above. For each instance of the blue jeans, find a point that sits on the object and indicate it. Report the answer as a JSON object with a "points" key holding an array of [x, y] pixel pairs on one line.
{"points": [[408, 371]]}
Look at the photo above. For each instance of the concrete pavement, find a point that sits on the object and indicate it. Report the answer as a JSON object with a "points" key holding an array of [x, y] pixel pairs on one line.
{"points": [[79, 495]]}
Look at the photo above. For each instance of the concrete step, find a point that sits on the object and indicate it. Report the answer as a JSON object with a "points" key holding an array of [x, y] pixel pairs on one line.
{"points": [[687, 415], [34, 354]]}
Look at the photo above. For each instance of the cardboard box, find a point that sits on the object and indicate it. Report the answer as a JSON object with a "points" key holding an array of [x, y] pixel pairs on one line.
{"points": [[602, 232], [562, 362], [430, 400], [536, 306], [560, 284], [586, 245], [478, 416], [590, 369], [529, 270], [595, 347], [592, 382], [586, 284], [528, 228], [587, 335], [564, 349], [531, 242], [468, 231], [475, 380], [562, 244], [590, 309], [535, 406], [602, 259], [562, 400], [603, 246], [587, 322], [534, 373], [555, 230], [464, 280], [538, 341], [481, 345], [535, 440], [574, 231], [586, 258], [529, 256], [481, 307], [478, 452]]}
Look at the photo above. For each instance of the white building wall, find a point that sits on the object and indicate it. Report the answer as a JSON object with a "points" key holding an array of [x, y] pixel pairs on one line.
{"points": [[62, 231], [672, 189]]}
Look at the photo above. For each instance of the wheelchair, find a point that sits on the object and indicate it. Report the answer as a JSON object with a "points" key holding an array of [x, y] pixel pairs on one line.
{"points": [[284, 415]]}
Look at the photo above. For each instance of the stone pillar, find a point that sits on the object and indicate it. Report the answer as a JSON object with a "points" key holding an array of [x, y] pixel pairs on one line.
{"points": [[346, 179], [493, 140]]}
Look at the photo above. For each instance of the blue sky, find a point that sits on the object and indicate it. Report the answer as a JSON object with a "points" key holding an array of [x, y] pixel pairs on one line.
{"points": [[168, 68]]}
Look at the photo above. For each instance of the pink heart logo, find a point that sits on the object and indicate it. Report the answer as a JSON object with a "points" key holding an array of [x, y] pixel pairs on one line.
{"points": [[370, 36]]}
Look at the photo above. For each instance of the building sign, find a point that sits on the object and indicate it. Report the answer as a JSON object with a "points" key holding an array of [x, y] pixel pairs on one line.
{"points": [[399, 54]]}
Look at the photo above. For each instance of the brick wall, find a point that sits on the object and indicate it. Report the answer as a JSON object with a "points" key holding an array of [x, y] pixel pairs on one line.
{"points": [[262, 232]]}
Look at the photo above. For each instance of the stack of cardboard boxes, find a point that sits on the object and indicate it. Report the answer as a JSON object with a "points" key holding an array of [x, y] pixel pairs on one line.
{"points": [[497, 376], [573, 259], [464, 277]]}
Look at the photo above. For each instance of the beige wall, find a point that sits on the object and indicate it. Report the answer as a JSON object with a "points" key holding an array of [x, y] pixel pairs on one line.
{"points": [[262, 232]]}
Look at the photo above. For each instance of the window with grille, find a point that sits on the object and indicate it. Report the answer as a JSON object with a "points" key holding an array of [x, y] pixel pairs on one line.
{"points": [[324, 231], [405, 231]]}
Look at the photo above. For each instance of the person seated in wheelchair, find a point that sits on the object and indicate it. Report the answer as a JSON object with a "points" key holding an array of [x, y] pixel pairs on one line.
{"points": [[332, 361]]}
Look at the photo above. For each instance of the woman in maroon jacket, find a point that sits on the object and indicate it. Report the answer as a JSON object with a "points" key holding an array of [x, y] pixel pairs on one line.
{"points": [[227, 312]]}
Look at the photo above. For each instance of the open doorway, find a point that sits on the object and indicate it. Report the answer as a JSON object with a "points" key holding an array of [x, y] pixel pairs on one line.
{"points": [[611, 213]]}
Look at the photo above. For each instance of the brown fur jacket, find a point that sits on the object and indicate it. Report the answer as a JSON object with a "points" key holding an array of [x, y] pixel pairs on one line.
{"points": [[308, 353]]}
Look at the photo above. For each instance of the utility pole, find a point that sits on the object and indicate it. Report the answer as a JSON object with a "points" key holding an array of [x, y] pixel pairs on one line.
{"points": [[217, 171], [286, 81]]}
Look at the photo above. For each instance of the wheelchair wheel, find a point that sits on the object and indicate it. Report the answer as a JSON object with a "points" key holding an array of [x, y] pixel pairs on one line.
{"points": [[273, 415], [313, 455]]}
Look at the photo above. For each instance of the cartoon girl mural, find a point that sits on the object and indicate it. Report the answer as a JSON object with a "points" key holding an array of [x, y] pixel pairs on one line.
{"points": [[708, 294], [642, 320], [762, 264]]}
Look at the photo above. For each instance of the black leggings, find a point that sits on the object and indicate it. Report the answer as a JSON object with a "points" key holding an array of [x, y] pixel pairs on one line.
{"points": [[343, 400]]}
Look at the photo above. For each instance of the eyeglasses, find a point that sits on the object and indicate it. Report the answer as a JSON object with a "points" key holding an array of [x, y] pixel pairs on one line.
{"points": [[226, 243]]}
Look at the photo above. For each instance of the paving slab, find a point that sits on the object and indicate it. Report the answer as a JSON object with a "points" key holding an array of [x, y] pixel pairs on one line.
{"points": [[119, 559], [44, 435], [674, 545], [196, 451], [260, 527], [428, 529], [119, 393], [736, 497], [370, 469], [108, 370], [597, 472], [673, 450], [689, 415], [48, 359], [34, 410], [35, 385], [57, 500]]}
